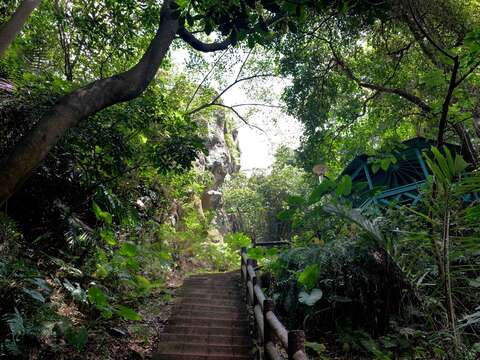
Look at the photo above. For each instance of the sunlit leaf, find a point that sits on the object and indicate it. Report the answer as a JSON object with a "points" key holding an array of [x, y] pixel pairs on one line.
{"points": [[127, 313]]}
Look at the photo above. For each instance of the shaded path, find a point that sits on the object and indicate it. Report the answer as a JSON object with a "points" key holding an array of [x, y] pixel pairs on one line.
{"points": [[209, 322]]}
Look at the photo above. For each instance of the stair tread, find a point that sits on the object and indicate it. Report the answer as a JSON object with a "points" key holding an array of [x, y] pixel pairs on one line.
{"points": [[209, 322]]}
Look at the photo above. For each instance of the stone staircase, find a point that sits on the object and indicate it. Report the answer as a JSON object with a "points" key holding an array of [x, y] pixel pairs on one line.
{"points": [[210, 322]]}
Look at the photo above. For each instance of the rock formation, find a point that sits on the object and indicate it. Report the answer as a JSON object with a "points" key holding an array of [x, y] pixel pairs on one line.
{"points": [[223, 159]]}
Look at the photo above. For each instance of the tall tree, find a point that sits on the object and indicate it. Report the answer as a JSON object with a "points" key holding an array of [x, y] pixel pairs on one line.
{"points": [[250, 20], [13, 26], [412, 73]]}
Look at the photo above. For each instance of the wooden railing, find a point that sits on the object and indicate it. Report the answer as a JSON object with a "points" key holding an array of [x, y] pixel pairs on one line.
{"points": [[268, 327]]}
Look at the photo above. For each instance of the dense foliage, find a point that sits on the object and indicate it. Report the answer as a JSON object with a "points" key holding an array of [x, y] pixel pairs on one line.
{"points": [[108, 200]]}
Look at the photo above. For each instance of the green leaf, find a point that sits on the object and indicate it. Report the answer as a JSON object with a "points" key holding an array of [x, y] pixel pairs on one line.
{"points": [[325, 187], [344, 187], [309, 276], [128, 249], [460, 164], [271, 252], [101, 272], [143, 284], [310, 299], [295, 200], [100, 214], [474, 282], [108, 236], [127, 313], [77, 338], [255, 253], [97, 297], [318, 348], [385, 164], [285, 215], [442, 163]]}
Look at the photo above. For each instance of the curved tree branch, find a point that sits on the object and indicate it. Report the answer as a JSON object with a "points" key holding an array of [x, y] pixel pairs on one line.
{"points": [[381, 88], [188, 37]]}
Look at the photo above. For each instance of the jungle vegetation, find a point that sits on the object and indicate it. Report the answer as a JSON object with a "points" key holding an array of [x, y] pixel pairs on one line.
{"points": [[104, 183]]}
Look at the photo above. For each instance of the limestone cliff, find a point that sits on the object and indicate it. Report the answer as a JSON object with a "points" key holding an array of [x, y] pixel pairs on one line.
{"points": [[223, 159]]}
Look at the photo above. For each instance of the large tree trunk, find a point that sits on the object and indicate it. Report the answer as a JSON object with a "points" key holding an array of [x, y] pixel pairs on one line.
{"points": [[13, 26], [72, 108]]}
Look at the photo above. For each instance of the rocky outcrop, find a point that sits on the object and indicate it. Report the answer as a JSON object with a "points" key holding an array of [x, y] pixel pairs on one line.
{"points": [[223, 159]]}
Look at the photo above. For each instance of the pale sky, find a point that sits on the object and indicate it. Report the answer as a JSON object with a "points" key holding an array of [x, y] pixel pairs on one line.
{"points": [[257, 148]]}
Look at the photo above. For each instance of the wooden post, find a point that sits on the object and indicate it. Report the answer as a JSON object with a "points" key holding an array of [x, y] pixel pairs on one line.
{"points": [[296, 342], [249, 262], [256, 330], [268, 335], [243, 250]]}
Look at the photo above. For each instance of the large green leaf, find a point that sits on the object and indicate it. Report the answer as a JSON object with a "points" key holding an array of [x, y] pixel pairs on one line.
{"points": [[128, 249], [324, 188], [127, 313], [255, 253], [108, 236], [97, 297], [344, 187], [100, 214], [309, 276], [77, 337]]}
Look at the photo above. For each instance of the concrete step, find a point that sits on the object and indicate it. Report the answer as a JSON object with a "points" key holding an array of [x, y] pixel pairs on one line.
{"points": [[203, 349], [210, 290], [173, 356], [207, 339], [188, 330], [182, 306], [198, 313], [205, 321], [207, 296], [216, 302], [209, 322], [209, 287]]}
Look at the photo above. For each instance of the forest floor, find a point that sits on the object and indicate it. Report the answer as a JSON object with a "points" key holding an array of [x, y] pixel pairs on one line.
{"points": [[120, 339]]}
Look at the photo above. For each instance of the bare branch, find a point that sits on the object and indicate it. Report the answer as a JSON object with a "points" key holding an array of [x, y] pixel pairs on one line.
{"points": [[216, 98], [204, 79], [243, 64], [257, 104], [240, 117]]}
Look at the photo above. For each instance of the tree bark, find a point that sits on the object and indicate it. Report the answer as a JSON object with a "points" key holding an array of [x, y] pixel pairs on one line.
{"points": [[476, 117], [76, 106], [13, 26], [468, 150]]}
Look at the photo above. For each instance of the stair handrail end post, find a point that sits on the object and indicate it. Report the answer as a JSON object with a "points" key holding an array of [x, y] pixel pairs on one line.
{"points": [[268, 335], [296, 342]]}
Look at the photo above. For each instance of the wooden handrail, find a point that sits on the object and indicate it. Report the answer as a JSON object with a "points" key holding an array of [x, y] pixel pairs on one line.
{"points": [[267, 325]]}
